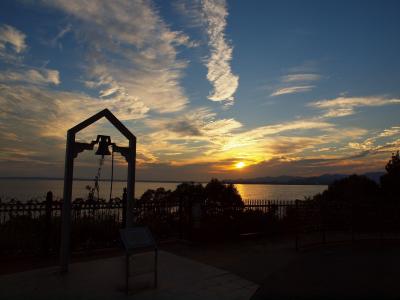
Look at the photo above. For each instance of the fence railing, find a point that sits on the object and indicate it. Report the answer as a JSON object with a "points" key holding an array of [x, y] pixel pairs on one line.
{"points": [[34, 227], [335, 222]]}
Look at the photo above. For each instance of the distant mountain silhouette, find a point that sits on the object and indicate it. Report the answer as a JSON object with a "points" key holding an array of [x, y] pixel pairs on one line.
{"points": [[324, 179]]}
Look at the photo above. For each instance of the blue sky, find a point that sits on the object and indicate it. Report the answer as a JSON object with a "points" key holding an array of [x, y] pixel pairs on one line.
{"points": [[281, 87]]}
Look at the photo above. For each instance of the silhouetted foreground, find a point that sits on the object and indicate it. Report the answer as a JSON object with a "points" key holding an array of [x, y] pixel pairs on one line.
{"points": [[350, 209], [34, 227]]}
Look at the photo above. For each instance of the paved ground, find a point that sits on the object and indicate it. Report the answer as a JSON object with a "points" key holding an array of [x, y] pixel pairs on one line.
{"points": [[254, 259], [364, 270], [179, 278]]}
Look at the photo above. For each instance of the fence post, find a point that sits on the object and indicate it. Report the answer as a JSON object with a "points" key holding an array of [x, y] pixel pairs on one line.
{"points": [[190, 218], [124, 207], [180, 213], [47, 222], [323, 222], [353, 237], [380, 220], [296, 224]]}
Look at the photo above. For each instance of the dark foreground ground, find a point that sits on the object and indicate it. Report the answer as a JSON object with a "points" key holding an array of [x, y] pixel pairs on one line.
{"points": [[362, 270]]}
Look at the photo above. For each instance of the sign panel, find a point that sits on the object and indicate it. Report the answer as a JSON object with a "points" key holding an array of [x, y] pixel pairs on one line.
{"points": [[136, 238]]}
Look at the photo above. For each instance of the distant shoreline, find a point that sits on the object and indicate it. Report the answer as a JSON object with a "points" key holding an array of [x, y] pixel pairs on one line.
{"points": [[90, 179], [324, 179], [164, 181]]}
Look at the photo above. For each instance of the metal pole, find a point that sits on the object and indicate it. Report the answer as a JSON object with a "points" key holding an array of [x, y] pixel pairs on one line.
{"points": [[131, 184], [112, 174], [353, 235], [297, 225], [49, 207], [66, 207], [322, 212], [155, 267], [127, 261]]}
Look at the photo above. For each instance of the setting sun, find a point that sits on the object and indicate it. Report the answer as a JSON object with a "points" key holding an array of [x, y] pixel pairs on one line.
{"points": [[240, 165]]}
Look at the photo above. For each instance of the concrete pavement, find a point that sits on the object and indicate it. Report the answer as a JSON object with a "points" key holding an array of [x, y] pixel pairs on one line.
{"points": [[179, 278]]}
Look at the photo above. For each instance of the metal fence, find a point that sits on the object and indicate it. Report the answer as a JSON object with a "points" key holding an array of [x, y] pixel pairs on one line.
{"points": [[320, 223], [34, 227]]}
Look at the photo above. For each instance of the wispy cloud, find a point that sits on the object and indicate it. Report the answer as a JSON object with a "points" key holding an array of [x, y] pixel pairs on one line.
{"points": [[345, 106], [132, 60], [12, 46], [13, 37], [301, 77], [200, 123], [374, 142], [60, 35], [191, 11], [220, 139], [33, 76], [144, 65], [220, 75], [293, 90], [53, 112], [36, 119], [12, 43], [338, 112], [394, 130]]}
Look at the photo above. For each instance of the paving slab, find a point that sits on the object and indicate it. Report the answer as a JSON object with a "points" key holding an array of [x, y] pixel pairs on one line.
{"points": [[355, 272], [179, 278]]}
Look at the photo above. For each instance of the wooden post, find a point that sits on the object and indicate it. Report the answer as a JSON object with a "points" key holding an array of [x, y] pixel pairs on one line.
{"points": [[66, 204], [47, 222], [124, 200]]}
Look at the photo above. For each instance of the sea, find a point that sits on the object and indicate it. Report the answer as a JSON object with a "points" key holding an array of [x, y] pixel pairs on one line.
{"points": [[26, 189]]}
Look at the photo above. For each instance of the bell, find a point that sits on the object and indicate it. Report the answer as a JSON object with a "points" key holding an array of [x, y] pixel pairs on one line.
{"points": [[104, 142]]}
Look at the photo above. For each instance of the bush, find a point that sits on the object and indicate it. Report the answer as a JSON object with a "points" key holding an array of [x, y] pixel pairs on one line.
{"points": [[391, 180], [352, 189]]}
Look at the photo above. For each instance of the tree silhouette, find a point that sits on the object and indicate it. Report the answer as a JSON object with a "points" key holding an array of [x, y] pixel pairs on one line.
{"points": [[391, 180], [156, 196], [352, 189], [189, 192], [219, 194]]}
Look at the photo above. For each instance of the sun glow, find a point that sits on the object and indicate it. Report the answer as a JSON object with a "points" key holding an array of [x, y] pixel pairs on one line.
{"points": [[240, 165]]}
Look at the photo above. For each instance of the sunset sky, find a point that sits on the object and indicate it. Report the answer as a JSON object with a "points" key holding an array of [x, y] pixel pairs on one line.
{"points": [[234, 89]]}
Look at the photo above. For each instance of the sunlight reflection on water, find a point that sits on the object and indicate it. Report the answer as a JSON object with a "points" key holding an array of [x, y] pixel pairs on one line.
{"points": [[28, 189], [277, 191]]}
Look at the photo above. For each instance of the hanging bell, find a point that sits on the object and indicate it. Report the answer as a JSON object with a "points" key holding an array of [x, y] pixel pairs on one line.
{"points": [[104, 142]]}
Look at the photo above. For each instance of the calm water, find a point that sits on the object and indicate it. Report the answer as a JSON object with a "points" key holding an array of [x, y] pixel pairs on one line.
{"points": [[28, 189]]}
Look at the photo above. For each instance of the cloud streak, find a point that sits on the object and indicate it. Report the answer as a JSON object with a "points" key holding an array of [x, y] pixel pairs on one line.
{"points": [[293, 90], [345, 106], [394, 130], [219, 74], [34, 76], [60, 35], [12, 37], [133, 62], [301, 77], [144, 65]]}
